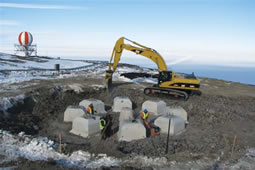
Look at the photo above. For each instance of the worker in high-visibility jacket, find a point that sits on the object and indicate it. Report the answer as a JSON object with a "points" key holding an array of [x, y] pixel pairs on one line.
{"points": [[102, 123], [145, 115], [105, 125], [90, 109]]}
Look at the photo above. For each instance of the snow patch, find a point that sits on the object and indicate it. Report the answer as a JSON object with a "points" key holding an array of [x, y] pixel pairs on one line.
{"points": [[246, 162], [144, 161], [13, 62], [76, 87], [8, 102], [41, 148]]}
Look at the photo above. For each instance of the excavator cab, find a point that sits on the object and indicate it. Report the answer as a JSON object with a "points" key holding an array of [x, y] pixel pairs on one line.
{"points": [[164, 76]]}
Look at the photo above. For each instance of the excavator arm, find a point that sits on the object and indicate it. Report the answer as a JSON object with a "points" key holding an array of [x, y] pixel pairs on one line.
{"points": [[138, 49]]}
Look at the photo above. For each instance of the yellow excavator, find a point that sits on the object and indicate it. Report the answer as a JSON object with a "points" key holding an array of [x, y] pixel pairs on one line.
{"points": [[170, 83]]}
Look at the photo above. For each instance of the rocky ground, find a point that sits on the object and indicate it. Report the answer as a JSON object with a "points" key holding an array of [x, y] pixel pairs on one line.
{"points": [[224, 110]]}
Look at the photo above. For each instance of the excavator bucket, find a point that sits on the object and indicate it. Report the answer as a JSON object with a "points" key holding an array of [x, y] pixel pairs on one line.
{"points": [[108, 79]]}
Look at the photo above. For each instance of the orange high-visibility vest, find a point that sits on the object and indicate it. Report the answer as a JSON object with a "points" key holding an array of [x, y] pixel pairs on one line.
{"points": [[144, 115], [89, 110]]}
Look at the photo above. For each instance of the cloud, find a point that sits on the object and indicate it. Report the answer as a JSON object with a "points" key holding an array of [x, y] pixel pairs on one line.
{"points": [[8, 23], [37, 6]]}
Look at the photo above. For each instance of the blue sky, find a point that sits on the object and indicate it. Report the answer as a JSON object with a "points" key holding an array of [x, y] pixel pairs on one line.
{"points": [[220, 32]]}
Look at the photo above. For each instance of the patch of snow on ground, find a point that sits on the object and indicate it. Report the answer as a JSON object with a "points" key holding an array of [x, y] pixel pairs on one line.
{"points": [[97, 86], [145, 80], [144, 161], [76, 87], [8, 102], [41, 148], [15, 63], [117, 75], [12, 62], [246, 162], [91, 70], [16, 77]]}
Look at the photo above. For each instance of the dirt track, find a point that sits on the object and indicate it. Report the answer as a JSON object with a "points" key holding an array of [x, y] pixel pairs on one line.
{"points": [[224, 110]]}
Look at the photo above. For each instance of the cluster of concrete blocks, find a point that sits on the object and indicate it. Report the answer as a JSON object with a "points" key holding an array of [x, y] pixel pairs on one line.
{"points": [[176, 116], [82, 124], [133, 129], [129, 127]]}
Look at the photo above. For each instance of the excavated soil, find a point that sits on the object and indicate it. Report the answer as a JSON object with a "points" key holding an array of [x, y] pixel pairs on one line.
{"points": [[214, 119]]}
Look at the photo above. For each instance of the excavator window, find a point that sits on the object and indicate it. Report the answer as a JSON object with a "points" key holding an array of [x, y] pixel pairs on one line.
{"points": [[165, 76]]}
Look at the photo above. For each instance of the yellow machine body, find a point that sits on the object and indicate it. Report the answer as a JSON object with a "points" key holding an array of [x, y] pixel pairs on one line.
{"points": [[167, 79]]}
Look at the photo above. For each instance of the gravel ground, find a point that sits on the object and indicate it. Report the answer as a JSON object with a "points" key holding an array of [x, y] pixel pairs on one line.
{"points": [[224, 110]]}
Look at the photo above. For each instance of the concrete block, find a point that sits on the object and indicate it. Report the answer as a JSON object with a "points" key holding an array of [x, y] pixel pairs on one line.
{"points": [[177, 124], [129, 131], [121, 102], [126, 114], [156, 107], [98, 105], [177, 111], [72, 112], [85, 126]]}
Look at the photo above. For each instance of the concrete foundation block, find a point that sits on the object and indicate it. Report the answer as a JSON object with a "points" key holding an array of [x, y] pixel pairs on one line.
{"points": [[156, 107], [85, 126], [121, 102], [177, 111], [72, 112], [177, 124], [98, 105], [129, 130], [126, 114]]}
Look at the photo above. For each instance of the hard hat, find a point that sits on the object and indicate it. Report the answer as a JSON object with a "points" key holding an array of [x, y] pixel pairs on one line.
{"points": [[145, 110], [91, 105]]}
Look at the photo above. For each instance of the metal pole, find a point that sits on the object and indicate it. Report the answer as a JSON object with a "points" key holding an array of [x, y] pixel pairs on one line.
{"points": [[168, 135]]}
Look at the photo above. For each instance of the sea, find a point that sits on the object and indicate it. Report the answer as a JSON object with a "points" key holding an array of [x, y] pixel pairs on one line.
{"points": [[240, 74]]}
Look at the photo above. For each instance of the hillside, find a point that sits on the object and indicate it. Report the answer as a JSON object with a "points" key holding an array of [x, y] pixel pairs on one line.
{"points": [[32, 117]]}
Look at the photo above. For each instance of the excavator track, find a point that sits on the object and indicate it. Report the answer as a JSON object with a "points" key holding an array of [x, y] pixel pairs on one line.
{"points": [[176, 94]]}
